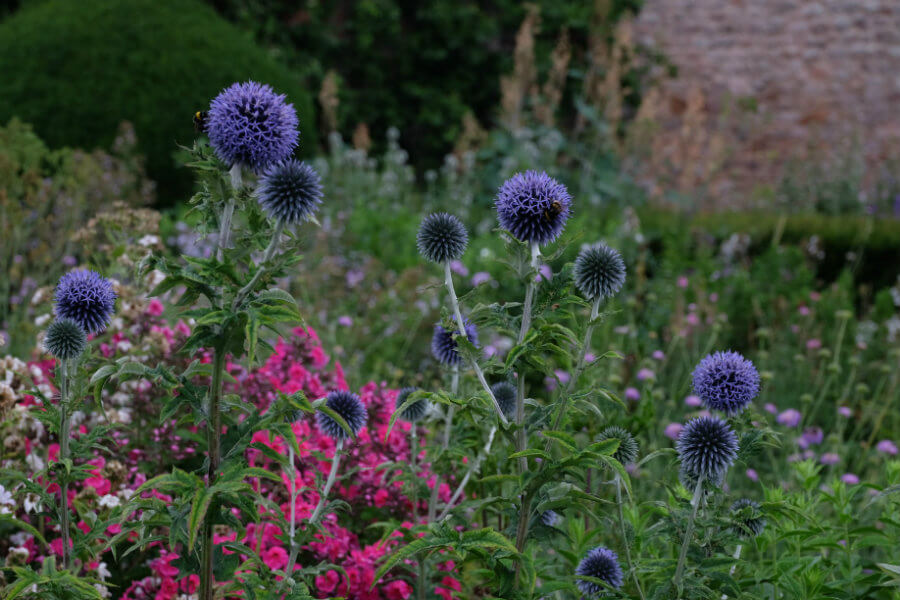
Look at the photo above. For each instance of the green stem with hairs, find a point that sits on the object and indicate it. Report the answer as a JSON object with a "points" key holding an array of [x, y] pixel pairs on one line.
{"points": [[213, 432], [63, 455], [270, 251], [625, 543]]}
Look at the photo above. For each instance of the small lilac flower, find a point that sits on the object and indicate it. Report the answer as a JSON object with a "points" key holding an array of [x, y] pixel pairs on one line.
{"points": [[887, 447], [533, 206], [830, 458], [693, 401], [682, 282], [249, 124], [645, 375], [659, 355], [459, 268], [714, 297], [789, 418], [813, 344], [803, 310], [86, 298], [345, 321], [813, 436], [589, 358], [545, 273], [726, 381], [845, 411], [480, 277], [752, 475], [673, 430], [632, 394], [770, 408], [849, 478]]}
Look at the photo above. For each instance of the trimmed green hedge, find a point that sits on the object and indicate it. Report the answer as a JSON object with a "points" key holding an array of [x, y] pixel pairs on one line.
{"points": [[877, 238], [75, 70]]}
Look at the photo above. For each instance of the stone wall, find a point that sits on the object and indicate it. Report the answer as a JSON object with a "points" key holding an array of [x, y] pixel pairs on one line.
{"points": [[764, 83]]}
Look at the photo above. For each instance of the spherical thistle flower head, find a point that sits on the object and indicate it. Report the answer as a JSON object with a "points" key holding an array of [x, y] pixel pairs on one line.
{"points": [[65, 339], [550, 518], [505, 393], [750, 521], [627, 452], [290, 191], [442, 237], [600, 563], [689, 479], [350, 408], [86, 298], [707, 446], [726, 381], [249, 124], [444, 347], [414, 411], [599, 271], [533, 207]]}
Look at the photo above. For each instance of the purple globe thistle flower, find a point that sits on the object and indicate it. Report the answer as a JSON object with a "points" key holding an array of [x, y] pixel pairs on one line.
{"points": [[707, 446], [86, 298], [290, 191], [349, 406], [600, 563], [726, 381], [627, 452], [550, 518], [249, 124], [442, 237], [599, 271], [750, 521], [65, 339], [505, 393], [414, 411], [444, 347], [533, 206]]}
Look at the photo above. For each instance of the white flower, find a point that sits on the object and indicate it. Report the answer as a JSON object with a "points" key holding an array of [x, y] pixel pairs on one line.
{"points": [[148, 240], [32, 503], [102, 572], [6, 499], [42, 320], [34, 461], [109, 501]]}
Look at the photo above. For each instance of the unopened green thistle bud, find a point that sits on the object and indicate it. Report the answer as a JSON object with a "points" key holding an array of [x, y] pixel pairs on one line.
{"points": [[65, 339]]}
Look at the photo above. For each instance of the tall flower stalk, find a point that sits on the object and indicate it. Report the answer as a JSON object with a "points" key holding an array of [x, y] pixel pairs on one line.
{"points": [[688, 536]]}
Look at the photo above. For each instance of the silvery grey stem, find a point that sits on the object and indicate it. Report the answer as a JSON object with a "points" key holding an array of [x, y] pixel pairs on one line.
{"points": [[323, 497], [688, 534], [579, 368], [472, 468], [454, 302], [521, 437], [270, 251], [63, 455], [448, 424], [293, 473], [625, 543]]}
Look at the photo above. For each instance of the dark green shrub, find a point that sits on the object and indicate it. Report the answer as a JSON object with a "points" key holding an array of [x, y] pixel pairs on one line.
{"points": [[75, 70]]}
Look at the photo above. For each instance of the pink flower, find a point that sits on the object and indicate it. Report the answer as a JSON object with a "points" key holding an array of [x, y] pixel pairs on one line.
{"points": [[849, 478], [790, 418], [632, 394], [480, 277], [673, 430], [659, 355], [752, 475], [397, 590], [683, 282], [275, 557], [813, 344], [381, 498], [887, 447], [830, 458], [327, 582], [155, 308], [693, 401], [345, 321], [845, 411], [645, 375]]}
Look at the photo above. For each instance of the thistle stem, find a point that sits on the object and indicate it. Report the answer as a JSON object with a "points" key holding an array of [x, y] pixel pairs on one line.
{"points": [[270, 251], [476, 463], [454, 302], [521, 434], [579, 368], [445, 443], [213, 432], [688, 534], [228, 211], [332, 476], [293, 473], [625, 543], [63, 455]]}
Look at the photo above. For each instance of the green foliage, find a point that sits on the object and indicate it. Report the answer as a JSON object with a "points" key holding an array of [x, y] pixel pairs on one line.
{"points": [[418, 66], [75, 70]]}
